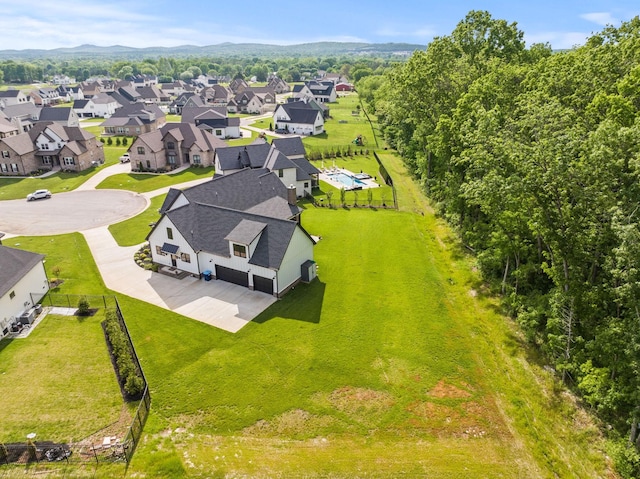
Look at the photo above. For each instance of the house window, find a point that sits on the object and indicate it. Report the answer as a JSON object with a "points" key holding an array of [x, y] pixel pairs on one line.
{"points": [[159, 251], [46, 160], [120, 130], [240, 250], [68, 160], [172, 159], [218, 132], [148, 163], [185, 257], [5, 154], [14, 167], [4, 167], [44, 146], [141, 150], [137, 129], [171, 145], [12, 294], [280, 173], [196, 160], [169, 233], [306, 184]]}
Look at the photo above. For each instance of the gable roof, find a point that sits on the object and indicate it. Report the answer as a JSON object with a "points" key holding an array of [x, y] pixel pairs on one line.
{"points": [[252, 190], [14, 265], [247, 156], [290, 146], [209, 228], [21, 144], [55, 114]]}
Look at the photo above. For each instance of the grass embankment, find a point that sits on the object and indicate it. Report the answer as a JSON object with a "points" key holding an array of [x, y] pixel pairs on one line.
{"points": [[142, 183]]}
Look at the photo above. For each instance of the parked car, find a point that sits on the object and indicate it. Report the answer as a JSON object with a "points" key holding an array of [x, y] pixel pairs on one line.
{"points": [[125, 158], [38, 194]]}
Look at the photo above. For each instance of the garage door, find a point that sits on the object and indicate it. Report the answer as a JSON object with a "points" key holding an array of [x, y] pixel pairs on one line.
{"points": [[260, 283], [232, 275]]}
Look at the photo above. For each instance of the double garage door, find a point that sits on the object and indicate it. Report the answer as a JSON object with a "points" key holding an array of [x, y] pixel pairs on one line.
{"points": [[241, 278]]}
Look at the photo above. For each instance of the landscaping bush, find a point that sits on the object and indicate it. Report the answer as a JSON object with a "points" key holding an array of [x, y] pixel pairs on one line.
{"points": [[83, 307], [129, 377]]}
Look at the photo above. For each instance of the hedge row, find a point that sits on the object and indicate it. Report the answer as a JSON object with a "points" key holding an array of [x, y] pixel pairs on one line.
{"points": [[128, 375]]}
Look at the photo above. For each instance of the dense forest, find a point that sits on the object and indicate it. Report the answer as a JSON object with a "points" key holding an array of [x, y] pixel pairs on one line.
{"points": [[534, 157]]}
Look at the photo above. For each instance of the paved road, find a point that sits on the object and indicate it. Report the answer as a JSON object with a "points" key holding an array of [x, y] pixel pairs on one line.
{"points": [[69, 212]]}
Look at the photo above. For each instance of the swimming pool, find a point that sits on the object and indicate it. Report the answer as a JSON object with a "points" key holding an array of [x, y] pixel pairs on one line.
{"points": [[346, 180]]}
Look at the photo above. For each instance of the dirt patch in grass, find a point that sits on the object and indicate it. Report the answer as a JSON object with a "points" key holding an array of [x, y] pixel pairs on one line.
{"points": [[469, 420], [354, 400], [443, 390], [296, 423]]}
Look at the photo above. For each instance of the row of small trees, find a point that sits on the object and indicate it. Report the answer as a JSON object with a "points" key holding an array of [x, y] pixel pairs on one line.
{"points": [[109, 141], [336, 152], [129, 376]]}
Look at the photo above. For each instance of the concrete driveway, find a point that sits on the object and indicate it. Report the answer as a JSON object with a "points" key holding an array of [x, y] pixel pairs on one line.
{"points": [[218, 303], [69, 212], [89, 211]]}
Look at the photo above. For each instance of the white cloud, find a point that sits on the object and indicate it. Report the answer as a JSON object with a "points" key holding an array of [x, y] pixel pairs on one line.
{"points": [[600, 18], [557, 40]]}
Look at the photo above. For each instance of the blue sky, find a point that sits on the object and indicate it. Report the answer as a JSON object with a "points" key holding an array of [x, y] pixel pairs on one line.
{"points": [[51, 24]]}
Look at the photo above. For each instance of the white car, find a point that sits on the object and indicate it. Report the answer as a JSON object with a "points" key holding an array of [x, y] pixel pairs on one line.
{"points": [[38, 194], [125, 158]]}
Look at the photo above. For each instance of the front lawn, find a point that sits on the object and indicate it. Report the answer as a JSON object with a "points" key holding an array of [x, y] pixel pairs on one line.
{"points": [[17, 188], [134, 230], [143, 182]]}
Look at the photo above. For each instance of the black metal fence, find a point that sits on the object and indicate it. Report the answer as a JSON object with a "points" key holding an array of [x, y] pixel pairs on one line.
{"points": [[111, 449]]}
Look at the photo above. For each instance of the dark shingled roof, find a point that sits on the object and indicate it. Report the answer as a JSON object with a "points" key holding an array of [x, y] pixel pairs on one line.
{"points": [[248, 156], [55, 114], [291, 146], [14, 265], [210, 226], [244, 190]]}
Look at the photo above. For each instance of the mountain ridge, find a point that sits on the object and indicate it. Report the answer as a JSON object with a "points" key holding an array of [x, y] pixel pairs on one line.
{"points": [[226, 49]]}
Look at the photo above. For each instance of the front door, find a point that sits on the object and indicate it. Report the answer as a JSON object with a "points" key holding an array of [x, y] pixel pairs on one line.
{"points": [[173, 260]]}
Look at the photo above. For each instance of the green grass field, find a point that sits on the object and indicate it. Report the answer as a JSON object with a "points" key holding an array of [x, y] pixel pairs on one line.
{"points": [[141, 182], [58, 382], [134, 230], [394, 363]]}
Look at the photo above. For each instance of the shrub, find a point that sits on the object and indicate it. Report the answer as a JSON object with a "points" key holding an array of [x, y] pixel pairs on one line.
{"points": [[129, 376], [83, 306], [117, 141], [125, 141], [109, 141]]}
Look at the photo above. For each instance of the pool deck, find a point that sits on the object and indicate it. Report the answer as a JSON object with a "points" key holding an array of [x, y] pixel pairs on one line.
{"points": [[324, 176]]}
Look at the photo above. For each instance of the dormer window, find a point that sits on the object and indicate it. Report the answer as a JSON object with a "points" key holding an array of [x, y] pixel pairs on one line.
{"points": [[239, 250], [171, 145]]}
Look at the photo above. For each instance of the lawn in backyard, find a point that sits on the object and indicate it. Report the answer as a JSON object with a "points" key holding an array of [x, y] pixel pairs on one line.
{"points": [[386, 365], [58, 382], [143, 182]]}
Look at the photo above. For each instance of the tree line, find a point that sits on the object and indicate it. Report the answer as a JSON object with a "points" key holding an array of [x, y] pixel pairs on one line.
{"points": [[534, 157], [169, 69]]}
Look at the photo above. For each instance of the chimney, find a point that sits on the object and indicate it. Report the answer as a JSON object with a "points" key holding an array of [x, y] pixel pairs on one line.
{"points": [[291, 195]]}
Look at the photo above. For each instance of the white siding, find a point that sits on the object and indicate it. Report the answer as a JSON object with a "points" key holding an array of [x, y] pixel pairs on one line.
{"points": [[300, 250], [159, 237], [35, 281]]}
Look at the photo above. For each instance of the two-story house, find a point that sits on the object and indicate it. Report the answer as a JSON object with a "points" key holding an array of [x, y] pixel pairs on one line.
{"points": [[253, 239]]}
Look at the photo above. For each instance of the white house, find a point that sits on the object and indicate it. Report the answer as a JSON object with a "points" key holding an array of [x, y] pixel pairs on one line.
{"points": [[292, 170], [101, 106], [299, 117], [252, 239], [23, 282], [13, 97]]}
